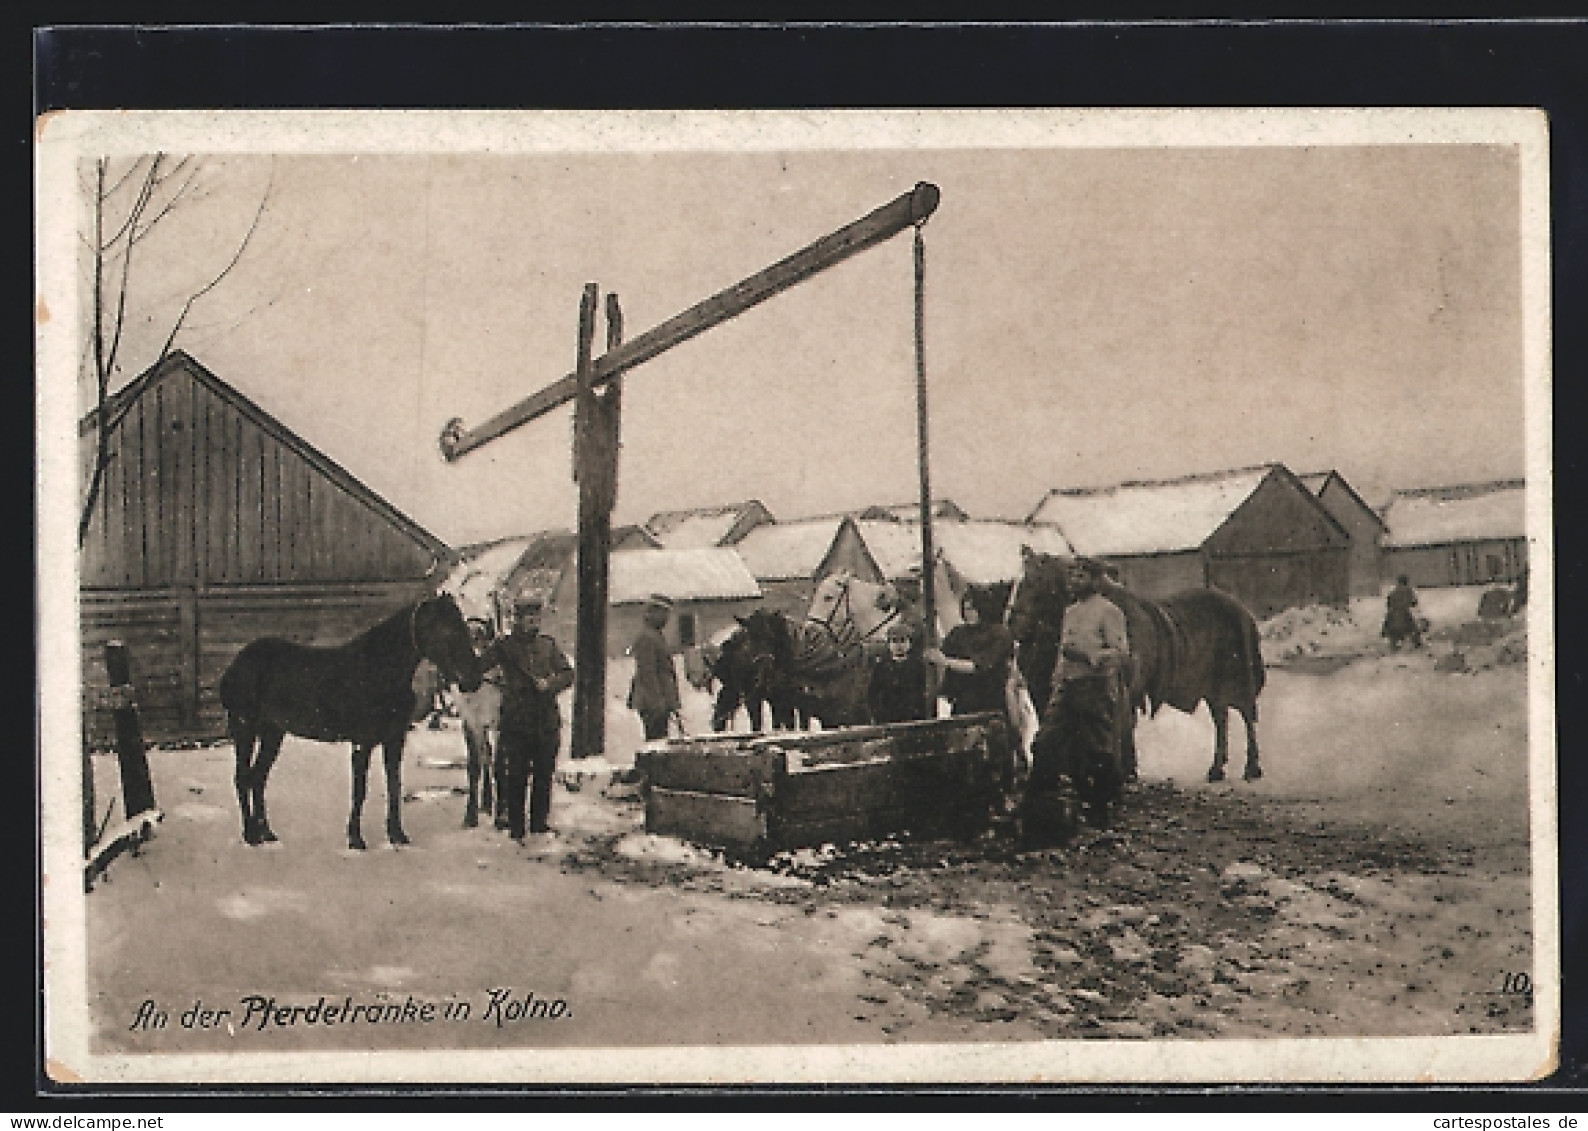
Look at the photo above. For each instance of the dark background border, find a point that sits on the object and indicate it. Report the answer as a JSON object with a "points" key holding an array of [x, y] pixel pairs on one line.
{"points": [[564, 64]]}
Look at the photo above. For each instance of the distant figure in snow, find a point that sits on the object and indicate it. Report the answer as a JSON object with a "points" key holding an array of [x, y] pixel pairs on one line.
{"points": [[897, 690], [1400, 622], [653, 695]]}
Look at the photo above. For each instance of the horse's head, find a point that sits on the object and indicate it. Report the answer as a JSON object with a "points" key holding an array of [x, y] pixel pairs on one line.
{"points": [[442, 637], [854, 609], [1041, 594]]}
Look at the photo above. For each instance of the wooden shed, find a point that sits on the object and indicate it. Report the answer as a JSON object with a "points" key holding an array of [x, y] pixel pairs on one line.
{"points": [[215, 525], [1360, 521], [1256, 532], [1472, 534]]}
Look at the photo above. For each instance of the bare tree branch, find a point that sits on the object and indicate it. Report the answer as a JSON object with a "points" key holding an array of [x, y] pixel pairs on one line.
{"points": [[145, 190], [125, 177], [213, 283], [181, 191]]}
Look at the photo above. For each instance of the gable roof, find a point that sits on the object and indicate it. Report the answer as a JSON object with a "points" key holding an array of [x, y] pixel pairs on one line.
{"points": [[704, 573], [1433, 516], [987, 552], [982, 551], [894, 546], [787, 551], [1150, 516], [1318, 481], [117, 404], [910, 512], [701, 526]]}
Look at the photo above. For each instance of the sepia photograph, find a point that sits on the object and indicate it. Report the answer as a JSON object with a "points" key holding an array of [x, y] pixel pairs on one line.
{"points": [[772, 596]]}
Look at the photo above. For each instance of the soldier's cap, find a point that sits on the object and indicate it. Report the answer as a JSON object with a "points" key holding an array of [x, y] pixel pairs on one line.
{"points": [[660, 601], [529, 602]]}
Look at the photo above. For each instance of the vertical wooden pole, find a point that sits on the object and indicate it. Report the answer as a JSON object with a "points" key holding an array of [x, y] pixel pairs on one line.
{"points": [[928, 557], [137, 791], [590, 460]]}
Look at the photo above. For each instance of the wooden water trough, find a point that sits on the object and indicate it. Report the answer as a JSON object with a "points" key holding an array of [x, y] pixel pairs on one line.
{"points": [[757, 794]]}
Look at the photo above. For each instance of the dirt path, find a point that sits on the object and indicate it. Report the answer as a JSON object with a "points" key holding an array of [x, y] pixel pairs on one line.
{"points": [[1375, 882]]}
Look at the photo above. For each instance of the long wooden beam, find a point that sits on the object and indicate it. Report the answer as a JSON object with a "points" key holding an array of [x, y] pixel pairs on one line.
{"points": [[889, 220]]}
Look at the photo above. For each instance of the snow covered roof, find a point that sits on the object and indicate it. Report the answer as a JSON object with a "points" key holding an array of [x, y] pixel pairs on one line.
{"points": [[894, 546], [509, 566], [980, 551], [783, 551], [702, 573], [1437, 515], [704, 526], [473, 580], [983, 553], [1149, 517]]}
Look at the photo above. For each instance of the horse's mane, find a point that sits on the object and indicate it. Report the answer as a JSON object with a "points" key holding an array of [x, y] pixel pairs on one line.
{"points": [[396, 630]]}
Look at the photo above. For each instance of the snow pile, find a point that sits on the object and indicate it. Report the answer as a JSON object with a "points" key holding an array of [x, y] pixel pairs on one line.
{"points": [[656, 849], [1314, 630], [1328, 631]]}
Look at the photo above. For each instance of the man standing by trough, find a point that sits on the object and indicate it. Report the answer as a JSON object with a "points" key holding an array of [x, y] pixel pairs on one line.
{"points": [[534, 672], [653, 694], [1080, 732]]}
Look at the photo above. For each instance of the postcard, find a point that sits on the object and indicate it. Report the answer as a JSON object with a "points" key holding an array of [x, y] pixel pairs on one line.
{"points": [[714, 597]]}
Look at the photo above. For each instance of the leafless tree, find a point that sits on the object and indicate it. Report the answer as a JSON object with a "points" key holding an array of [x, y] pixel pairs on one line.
{"points": [[127, 207]]}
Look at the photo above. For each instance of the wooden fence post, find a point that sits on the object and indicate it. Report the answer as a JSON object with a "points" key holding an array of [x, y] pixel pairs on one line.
{"points": [[137, 791]]}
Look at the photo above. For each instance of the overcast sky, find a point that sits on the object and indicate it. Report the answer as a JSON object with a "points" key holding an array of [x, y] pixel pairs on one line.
{"points": [[1093, 315]]}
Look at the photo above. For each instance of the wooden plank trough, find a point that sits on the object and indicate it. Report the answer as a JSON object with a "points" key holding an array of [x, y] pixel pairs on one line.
{"points": [[758, 794]]}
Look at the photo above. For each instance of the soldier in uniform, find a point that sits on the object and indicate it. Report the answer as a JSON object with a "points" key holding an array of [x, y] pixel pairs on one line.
{"points": [[653, 694], [1079, 738], [534, 672]]}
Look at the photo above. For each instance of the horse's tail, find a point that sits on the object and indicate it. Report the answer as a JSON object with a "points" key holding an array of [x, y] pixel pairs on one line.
{"points": [[1253, 654]]}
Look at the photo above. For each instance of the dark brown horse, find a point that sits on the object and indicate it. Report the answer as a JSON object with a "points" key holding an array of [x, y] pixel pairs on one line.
{"points": [[1198, 646], [359, 692], [802, 671]]}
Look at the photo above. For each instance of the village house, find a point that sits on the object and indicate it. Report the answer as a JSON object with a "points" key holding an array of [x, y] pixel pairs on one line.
{"points": [[1360, 521], [217, 524], [1472, 534], [709, 586], [787, 558], [1257, 533]]}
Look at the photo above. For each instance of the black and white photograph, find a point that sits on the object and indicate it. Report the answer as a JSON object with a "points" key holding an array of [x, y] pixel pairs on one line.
{"points": [[996, 595]]}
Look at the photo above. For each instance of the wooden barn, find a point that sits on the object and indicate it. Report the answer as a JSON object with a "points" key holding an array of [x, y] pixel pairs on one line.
{"points": [[1361, 522], [216, 525], [1473, 534], [1257, 533]]}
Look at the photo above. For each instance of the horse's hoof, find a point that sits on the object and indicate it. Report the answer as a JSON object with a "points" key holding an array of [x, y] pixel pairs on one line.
{"points": [[1216, 774], [471, 820], [356, 843], [267, 835], [397, 836], [1253, 771]]}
